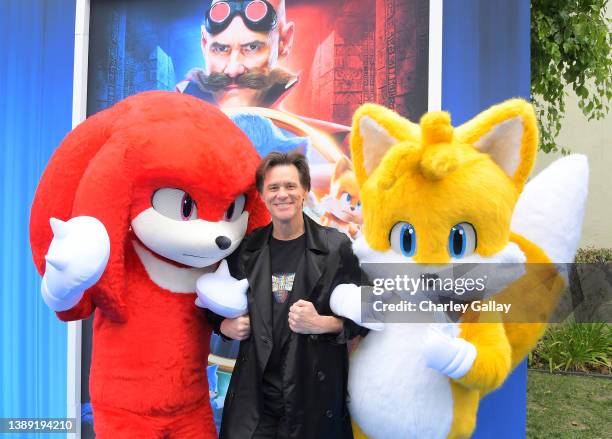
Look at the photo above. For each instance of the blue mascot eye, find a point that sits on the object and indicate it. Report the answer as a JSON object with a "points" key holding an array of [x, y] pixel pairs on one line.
{"points": [[461, 240], [403, 239]]}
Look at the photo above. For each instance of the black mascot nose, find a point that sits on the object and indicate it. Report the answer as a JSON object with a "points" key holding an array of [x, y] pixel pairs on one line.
{"points": [[223, 242]]}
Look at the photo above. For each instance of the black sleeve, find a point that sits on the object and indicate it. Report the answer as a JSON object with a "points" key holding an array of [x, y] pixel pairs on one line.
{"points": [[348, 273], [215, 321], [235, 262]]}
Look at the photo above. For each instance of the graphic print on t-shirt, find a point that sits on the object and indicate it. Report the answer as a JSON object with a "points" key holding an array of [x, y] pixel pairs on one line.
{"points": [[282, 284]]}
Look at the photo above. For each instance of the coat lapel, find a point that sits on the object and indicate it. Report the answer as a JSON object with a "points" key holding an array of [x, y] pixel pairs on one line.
{"points": [[312, 264], [259, 274]]}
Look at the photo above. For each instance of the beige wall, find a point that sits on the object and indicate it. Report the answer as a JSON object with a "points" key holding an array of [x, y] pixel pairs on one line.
{"points": [[594, 139]]}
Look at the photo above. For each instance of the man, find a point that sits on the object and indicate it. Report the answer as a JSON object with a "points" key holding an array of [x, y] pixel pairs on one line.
{"points": [[242, 41], [290, 376]]}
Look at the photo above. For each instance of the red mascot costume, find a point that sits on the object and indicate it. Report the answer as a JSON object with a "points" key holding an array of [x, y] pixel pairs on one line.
{"points": [[134, 206]]}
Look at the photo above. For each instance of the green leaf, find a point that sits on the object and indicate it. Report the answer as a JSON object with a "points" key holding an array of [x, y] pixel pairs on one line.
{"points": [[582, 91], [571, 46]]}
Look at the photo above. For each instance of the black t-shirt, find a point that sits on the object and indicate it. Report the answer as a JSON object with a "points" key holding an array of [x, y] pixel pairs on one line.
{"points": [[285, 257]]}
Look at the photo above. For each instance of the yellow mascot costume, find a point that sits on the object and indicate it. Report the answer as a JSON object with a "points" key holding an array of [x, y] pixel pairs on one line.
{"points": [[435, 194]]}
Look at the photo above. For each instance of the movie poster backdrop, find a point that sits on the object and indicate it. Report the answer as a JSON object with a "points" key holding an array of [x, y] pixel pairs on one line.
{"points": [[345, 53]]}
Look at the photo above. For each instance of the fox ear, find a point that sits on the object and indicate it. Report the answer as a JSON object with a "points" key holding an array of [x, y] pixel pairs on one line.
{"points": [[508, 134], [375, 130], [343, 165]]}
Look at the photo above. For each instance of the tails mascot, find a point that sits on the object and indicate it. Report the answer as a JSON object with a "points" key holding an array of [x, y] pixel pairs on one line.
{"points": [[342, 205], [434, 194], [134, 206]]}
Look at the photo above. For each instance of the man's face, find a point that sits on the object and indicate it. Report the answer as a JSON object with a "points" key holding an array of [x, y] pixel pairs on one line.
{"points": [[283, 193], [238, 50]]}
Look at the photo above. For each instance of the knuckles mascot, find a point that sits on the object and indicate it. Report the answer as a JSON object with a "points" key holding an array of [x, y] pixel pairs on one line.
{"points": [[134, 206], [434, 195]]}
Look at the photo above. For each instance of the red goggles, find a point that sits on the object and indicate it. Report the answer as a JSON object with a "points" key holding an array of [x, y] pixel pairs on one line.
{"points": [[257, 15]]}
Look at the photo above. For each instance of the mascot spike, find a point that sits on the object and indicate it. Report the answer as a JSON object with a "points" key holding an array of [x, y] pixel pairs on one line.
{"points": [[57, 262], [439, 158], [436, 128], [59, 227]]}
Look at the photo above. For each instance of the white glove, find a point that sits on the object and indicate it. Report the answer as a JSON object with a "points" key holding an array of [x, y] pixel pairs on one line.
{"points": [[76, 259], [345, 301], [446, 353], [221, 293]]}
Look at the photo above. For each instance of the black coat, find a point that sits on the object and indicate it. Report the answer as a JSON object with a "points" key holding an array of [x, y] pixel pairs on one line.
{"points": [[316, 366]]}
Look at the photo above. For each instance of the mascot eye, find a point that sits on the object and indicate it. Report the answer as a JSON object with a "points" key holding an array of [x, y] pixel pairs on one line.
{"points": [[188, 207], [175, 204], [345, 197], [235, 209], [403, 239], [462, 240]]}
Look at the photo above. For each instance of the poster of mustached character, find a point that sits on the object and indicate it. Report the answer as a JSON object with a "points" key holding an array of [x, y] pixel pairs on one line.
{"points": [[300, 68]]}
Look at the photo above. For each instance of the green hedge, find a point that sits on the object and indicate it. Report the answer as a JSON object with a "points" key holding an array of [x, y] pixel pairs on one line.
{"points": [[590, 255], [579, 347]]}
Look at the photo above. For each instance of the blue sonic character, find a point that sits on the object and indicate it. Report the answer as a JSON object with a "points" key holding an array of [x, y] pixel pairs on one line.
{"points": [[267, 137]]}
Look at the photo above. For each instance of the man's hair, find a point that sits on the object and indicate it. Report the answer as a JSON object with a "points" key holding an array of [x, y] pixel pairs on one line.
{"points": [[279, 159]]}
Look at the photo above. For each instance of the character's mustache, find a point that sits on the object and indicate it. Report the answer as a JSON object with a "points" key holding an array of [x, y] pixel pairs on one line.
{"points": [[254, 79]]}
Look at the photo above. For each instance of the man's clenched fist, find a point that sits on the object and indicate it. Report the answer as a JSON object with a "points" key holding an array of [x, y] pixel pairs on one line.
{"points": [[238, 328], [304, 319]]}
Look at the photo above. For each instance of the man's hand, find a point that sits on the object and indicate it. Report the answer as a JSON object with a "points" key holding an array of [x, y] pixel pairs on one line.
{"points": [[236, 329], [304, 319]]}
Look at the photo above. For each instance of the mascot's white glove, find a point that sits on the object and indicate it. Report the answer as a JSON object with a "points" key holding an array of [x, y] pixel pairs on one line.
{"points": [[221, 293], [76, 259], [446, 353], [345, 301]]}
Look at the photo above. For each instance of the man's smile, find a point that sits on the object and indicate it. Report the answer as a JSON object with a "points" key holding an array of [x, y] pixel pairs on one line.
{"points": [[283, 206]]}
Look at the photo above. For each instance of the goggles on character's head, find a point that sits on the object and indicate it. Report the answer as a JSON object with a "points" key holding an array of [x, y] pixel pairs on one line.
{"points": [[258, 15]]}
